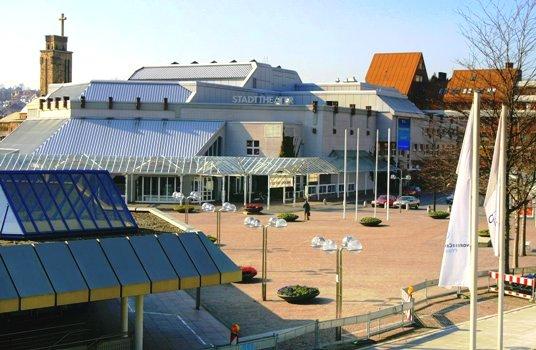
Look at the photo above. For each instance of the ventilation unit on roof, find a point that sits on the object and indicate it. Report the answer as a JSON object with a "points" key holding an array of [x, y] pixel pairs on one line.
{"points": [[253, 60], [278, 67], [233, 61], [174, 62], [194, 62], [214, 61]]}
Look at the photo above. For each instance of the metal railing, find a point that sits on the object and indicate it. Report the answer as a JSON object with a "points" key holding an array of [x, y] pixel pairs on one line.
{"points": [[270, 341]]}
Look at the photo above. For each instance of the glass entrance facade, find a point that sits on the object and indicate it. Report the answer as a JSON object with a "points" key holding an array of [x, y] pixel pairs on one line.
{"points": [[151, 189]]}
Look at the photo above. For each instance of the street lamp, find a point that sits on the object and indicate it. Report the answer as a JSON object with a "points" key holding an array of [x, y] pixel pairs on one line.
{"points": [[252, 222], [327, 245], [194, 196], [226, 207], [407, 178]]}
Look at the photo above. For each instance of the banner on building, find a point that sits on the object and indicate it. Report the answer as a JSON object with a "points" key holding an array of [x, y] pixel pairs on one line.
{"points": [[313, 177], [279, 181], [404, 135]]}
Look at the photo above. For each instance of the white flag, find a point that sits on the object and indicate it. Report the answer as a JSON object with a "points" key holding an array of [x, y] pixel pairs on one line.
{"points": [[456, 265], [493, 199]]}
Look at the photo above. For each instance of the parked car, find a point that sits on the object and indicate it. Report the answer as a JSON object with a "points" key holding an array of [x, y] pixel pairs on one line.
{"points": [[381, 200], [412, 191], [413, 202], [449, 199]]}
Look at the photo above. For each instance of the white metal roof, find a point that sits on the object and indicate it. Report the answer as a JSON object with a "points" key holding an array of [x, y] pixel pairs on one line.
{"points": [[130, 137], [194, 72], [128, 91], [30, 134], [170, 165]]}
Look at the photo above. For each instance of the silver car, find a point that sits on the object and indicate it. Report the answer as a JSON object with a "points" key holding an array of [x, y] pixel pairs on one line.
{"points": [[412, 201]]}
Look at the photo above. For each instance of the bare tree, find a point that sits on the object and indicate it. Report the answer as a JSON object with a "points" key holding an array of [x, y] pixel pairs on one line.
{"points": [[501, 36]]}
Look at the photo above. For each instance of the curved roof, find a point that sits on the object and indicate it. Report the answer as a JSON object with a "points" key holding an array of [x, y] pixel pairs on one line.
{"points": [[194, 72]]}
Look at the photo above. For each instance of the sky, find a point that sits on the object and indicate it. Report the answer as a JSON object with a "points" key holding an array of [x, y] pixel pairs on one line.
{"points": [[322, 40]]}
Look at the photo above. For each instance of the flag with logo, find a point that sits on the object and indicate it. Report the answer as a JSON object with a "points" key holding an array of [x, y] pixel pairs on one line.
{"points": [[493, 199], [456, 265]]}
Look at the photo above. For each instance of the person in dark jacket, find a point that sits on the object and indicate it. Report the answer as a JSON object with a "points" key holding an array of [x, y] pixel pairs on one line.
{"points": [[306, 210]]}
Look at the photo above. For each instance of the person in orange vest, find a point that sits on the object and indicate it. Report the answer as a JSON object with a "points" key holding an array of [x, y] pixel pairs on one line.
{"points": [[235, 329]]}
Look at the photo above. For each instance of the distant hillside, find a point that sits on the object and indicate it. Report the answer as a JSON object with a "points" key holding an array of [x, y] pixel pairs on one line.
{"points": [[13, 99]]}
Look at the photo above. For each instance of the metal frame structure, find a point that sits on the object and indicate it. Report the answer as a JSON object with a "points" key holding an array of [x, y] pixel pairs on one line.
{"points": [[61, 203], [161, 165]]}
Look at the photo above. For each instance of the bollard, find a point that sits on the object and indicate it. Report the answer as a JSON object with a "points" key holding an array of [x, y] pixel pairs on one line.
{"points": [[449, 208], [428, 208], [407, 206], [364, 204]]}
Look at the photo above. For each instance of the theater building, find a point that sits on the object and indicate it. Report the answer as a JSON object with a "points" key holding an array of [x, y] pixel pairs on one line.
{"points": [[218, 128]]}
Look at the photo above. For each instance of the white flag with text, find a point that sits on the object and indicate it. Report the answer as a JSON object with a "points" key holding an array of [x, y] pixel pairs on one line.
{"points": [[456, 267], [492, 200]]}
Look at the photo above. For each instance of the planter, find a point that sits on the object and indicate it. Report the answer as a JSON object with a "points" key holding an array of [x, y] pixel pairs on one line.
{"points": [[439, 214], [253, 208], [298, 294], [288, 217], [248, 272], [370, 221]]}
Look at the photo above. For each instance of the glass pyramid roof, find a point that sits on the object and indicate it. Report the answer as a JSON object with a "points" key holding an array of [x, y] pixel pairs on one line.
{"points": [[61, 203]]}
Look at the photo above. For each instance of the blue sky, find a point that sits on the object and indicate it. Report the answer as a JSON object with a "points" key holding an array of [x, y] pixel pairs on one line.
{"points": [[322, 40]]}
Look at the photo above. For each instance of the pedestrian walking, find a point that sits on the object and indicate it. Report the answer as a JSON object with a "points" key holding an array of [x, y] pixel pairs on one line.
{"points": [[306, 210]]}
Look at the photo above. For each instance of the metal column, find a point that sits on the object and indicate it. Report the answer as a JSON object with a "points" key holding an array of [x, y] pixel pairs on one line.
{"points": [[138, 327], [268, 197], [124, 315]]}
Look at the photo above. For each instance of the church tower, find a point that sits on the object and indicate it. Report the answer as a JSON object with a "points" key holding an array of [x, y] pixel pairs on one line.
{"points": [[56, 61]]}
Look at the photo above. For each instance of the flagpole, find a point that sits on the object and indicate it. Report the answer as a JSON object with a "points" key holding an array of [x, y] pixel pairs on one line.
{"points": [[357, 174], [475, 172], [344, 182], [388, 170], [376, 175], [502, 222]]}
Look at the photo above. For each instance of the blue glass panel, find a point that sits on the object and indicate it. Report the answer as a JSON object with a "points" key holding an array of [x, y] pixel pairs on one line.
{"points": [[78, 205], [104, 200], [45, 198], [62, 203], [17, 203], [90, 201], [117, 200], [31, 202]]}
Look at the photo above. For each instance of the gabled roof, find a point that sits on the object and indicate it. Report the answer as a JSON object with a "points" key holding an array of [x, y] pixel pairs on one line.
{"points": [[30, 134], [73, 91], [191, 72], [48, 203], [491, 82], [395, 70]]}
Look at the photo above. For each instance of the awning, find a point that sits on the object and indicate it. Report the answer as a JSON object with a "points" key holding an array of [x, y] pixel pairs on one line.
{"points": [[217, 166], [60, 273]]}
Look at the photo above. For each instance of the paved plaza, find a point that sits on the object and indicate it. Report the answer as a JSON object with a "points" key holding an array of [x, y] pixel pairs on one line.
{"points": [[406, 250], [519, 334]]}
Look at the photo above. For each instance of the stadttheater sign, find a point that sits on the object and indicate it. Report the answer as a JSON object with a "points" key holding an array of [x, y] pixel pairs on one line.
{"points": [[274, 100]]}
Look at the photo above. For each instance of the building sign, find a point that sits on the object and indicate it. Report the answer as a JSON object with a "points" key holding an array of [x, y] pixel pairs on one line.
{"points": [[267, 100], [313, 177], [278, 181], [404, 135]]}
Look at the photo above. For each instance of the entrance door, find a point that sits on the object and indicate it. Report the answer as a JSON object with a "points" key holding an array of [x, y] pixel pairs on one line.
{"points": [[203, 185]]}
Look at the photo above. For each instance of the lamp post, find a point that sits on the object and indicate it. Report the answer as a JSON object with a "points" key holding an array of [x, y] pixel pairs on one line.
{"points": [[407, 178], [327, 245], [252, 222], [226, 207], [194, 196]]}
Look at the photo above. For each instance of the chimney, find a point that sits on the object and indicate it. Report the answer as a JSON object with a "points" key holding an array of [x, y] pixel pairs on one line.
{"points": [[352, 109], [49, 101], [442, 76], [138, 103], [165, 103], [41, 103], [65, 101], [57, 102], [82, 101], [110, 102]]}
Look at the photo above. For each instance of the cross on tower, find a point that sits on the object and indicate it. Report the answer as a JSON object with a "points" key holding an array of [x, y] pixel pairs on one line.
{"points": [[62, 20]]}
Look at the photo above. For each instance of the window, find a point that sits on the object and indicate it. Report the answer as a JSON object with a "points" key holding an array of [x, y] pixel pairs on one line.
{"points": [[418, 78], [252, 147]]}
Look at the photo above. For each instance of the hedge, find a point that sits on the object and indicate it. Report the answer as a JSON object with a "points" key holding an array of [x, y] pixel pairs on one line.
{"points": [[370, 221], [439, 214], [483, 233], [289, 217]]}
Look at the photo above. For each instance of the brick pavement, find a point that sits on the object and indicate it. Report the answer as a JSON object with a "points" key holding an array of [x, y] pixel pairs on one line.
{"points": [[405, 251]]}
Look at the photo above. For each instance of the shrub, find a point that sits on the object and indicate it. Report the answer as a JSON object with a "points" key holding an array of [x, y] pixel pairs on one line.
{"points": [[297, 293], [439, 214], [289, 217], [182, 208], [483, 233], [370, 221], [248, 272]]}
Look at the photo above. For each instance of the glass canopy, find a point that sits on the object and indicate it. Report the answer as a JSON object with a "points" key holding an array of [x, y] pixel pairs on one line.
{"points": [[56, 203]]}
